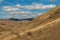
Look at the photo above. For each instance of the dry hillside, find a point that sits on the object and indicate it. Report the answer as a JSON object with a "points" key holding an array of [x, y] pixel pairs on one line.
{"points": [[15, 26], [44, 27], [45, 18]]}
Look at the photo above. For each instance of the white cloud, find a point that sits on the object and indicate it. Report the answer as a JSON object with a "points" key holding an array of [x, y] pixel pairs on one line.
{"points": [[14, 10], [17, 12], [10, 8], [19, 6], [21, 16], [1, 1], [40, 6], [33, 6], [7, 16], [37, 6]]}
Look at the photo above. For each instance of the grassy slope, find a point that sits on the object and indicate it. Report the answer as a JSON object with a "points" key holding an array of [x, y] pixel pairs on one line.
{"points": [[48, 32], [45, 18]]}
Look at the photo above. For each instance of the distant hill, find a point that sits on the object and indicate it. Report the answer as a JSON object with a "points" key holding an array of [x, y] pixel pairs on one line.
{"points": [[44, 27], [16, 19]]}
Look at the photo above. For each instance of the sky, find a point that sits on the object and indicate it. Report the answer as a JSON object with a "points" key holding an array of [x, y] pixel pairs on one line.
{"points": [[25, 8]]}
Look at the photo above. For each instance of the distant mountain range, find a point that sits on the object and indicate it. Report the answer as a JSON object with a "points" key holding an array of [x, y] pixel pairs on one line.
{"points": [[16, 19]]}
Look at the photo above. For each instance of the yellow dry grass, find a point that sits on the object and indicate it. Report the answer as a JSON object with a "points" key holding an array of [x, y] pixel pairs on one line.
{"points": [[44, 27]]}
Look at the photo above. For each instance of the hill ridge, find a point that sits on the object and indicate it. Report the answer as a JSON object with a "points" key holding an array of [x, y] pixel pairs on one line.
{"points": [[34, 29]]}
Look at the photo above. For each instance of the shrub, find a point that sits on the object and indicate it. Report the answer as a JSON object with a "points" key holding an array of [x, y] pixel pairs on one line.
{"points": [[29, 33]]}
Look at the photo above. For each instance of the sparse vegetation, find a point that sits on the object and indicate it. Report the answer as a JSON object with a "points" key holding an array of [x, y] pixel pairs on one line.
{"points": [[2, 24], [51, 15], [41, 28], [29, 33]]}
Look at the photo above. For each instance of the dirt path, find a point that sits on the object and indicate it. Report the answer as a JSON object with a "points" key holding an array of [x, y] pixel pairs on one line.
{"points": [[37, 28]]}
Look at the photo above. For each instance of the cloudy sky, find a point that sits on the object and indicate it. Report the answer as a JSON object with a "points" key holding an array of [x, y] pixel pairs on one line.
{"points": [[25, 8]]}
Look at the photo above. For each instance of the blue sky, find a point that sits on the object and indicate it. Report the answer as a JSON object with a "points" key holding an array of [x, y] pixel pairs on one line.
{"points": [[25, 8]]}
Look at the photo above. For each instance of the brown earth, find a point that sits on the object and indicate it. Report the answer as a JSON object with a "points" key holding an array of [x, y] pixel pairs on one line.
{"points": [[44, 27]]}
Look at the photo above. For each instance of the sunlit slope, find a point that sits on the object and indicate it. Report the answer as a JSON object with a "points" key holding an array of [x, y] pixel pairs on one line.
{"points": [[49, 31], [45, 18], [15, 26], [44, 27]]}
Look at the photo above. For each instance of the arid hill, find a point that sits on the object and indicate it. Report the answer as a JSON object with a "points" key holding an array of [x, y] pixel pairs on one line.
{"points": [[45, 18], [15, 26], [44, 27]]}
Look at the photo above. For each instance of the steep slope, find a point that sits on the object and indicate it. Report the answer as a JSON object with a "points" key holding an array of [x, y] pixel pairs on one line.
{"points": [[45, 18], [49, 31], [45, 27]]}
